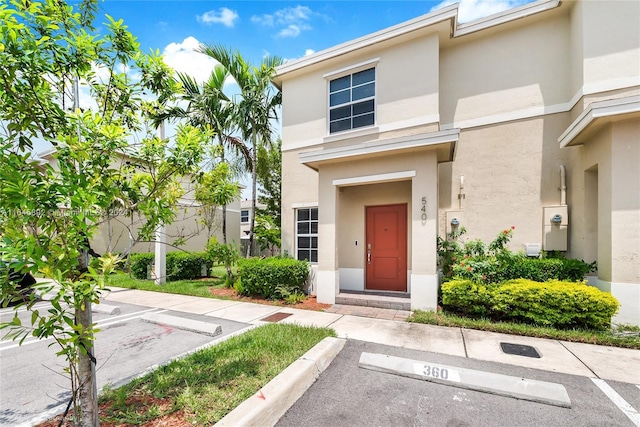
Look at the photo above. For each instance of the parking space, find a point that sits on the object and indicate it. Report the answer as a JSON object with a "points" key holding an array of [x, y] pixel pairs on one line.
{"points": [[346, 394], [32, 379]]}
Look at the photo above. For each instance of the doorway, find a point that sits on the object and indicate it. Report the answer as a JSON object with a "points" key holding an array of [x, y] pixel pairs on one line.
{"points": [[386, 248]]}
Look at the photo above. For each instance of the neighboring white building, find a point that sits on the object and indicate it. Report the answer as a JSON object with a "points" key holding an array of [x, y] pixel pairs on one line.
{"points": [[527, 118], [114, 232]]}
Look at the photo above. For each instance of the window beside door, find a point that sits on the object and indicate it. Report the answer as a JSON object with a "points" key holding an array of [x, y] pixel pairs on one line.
{"points": [[307, 234]]}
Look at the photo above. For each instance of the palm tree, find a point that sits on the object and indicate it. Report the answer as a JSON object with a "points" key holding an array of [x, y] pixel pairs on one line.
{"points": [[255, 108], [209, 107]]}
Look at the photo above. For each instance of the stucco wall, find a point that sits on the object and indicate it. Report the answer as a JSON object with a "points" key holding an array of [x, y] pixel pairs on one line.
{"points": [[597, 156], [611, 44], [412, 103], [511, 171], [503, 72], [625, 202]]}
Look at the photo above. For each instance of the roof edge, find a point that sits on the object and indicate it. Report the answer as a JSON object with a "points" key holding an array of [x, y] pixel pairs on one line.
{"points": [[597, 110], [449, 12]]}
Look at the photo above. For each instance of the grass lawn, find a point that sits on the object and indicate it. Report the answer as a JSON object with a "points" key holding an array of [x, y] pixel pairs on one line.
{"points": [[198, 288], [207, 385], [616, 339]]}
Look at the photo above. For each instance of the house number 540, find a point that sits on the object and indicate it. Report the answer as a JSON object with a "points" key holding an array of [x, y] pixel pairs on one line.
{"points": [[423, 209]]}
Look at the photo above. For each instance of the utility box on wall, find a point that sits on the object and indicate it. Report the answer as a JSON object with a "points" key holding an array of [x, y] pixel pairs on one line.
{"points": [[555, 228]]}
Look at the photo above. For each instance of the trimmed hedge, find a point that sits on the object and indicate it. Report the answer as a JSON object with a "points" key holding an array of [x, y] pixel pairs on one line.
{"points": [[554, 303], [508, 266], [180, 265], [263, 277], [138, 264]]}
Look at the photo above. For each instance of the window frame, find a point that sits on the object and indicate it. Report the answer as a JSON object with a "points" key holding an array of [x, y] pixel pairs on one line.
{"points": [[350, 71], [310, 235], [247, 220]]}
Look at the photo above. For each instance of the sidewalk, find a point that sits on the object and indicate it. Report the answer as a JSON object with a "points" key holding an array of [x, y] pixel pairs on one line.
{"points": [[609, 363]]}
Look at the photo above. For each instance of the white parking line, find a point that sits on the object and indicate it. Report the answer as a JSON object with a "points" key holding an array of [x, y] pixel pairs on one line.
{"points": [[102, 323], [622, 404]]}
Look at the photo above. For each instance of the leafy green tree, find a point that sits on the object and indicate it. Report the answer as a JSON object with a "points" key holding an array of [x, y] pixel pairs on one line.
{"points": [[215, 188], [255, 107], [211, 110], [48, 215], [268, 233], [269, 173]]}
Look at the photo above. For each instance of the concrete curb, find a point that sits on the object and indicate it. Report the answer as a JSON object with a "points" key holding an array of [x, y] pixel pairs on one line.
{"points": [[105, 309], [211, 329], [488, 382], [271, 402]]}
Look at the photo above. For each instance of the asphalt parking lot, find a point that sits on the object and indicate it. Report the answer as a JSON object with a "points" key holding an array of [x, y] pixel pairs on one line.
{"points": [[32, 383], [347, 395]]}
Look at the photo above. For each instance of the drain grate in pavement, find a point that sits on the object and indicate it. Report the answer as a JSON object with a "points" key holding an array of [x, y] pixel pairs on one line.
{"points": [[519, 350], [276, 317]]}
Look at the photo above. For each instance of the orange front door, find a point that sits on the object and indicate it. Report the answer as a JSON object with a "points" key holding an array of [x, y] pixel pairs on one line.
{"points": [[386, 248]]}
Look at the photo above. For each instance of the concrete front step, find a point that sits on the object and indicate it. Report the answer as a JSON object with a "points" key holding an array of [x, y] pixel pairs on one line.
{"points": [[378, 301]]}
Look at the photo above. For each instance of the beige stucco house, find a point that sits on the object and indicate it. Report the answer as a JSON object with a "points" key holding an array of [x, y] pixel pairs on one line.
{"points": [[528, 118]]}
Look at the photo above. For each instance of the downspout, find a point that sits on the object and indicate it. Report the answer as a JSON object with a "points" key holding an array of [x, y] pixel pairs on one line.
{"points": [[563, 186]]}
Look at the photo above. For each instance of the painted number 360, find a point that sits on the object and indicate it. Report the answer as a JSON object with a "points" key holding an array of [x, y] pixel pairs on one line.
{"points": [[435, 372]]}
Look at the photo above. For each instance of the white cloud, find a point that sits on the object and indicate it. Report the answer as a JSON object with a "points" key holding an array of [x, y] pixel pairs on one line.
{"points": [[470, 10], [224, 16], [292, 31], [309, 52], [183, 57], [291, 20]]}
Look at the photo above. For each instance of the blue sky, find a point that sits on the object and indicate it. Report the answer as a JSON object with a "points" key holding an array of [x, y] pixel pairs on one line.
{"points": [[289, 29]]}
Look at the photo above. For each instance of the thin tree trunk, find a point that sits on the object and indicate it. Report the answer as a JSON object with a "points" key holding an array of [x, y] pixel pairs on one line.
{"points": [[224, 208], [224, 224], [254, 179], [87, 389]]}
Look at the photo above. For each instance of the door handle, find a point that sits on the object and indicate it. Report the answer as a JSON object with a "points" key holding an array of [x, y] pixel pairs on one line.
{"points": [[368, 257]]}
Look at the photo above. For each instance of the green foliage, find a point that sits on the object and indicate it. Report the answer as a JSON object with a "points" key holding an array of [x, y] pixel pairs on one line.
{"points": [[269, 173], [290, 294], [495, 263], [558, 304], [139, 263], [254, 109], [180, 265], [215, 188], [186, 265], [225, 254], [262, 277], [555, 303], [267, 232], [467, 297]]}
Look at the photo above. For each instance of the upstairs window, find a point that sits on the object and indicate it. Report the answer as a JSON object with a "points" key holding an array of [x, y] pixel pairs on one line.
{"points": [[352, 101], [244, 216]]}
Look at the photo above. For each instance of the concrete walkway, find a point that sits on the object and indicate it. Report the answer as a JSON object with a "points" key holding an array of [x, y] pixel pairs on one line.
{"points": [[588, 360]]}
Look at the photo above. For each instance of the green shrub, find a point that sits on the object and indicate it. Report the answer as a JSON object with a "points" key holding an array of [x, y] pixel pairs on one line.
{"points": [[186, 265], [554, 303], [138, 264], [180, 265], [495, 263], [559, 304], [466, 297], [262, 277]]}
